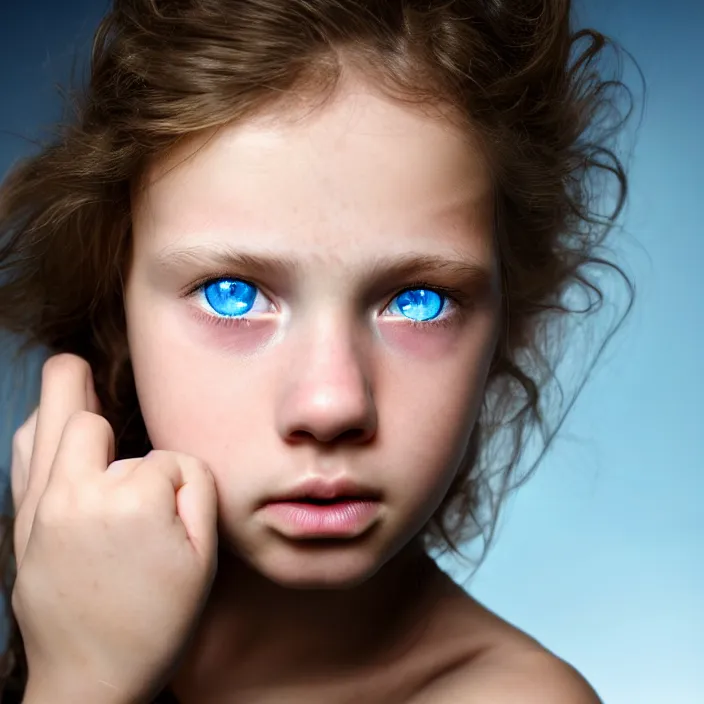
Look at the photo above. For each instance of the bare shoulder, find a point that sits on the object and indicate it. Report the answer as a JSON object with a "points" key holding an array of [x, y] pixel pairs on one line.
{"points": [[491, 661], [530, 677]]}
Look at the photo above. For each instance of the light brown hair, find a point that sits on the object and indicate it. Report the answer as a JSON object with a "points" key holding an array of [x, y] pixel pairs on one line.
{"points": [[513, 71]]}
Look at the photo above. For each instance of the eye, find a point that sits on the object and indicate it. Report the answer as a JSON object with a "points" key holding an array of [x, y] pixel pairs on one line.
{"points": [[231, 298], [418, 304]]}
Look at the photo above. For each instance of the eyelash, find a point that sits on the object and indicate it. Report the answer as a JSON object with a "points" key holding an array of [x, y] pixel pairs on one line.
{"points": [[459, 300]]}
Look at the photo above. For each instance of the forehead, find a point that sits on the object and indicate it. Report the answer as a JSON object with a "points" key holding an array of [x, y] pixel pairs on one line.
{"points": [[361, 164]]}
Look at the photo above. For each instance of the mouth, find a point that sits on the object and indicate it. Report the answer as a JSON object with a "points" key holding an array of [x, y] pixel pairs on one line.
{"points": [[311, 501], [339, 518], [321, 492], [318, 508]]}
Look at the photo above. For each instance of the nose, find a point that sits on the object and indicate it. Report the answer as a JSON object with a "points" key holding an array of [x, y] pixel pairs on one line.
{"points": [[326, 389]]}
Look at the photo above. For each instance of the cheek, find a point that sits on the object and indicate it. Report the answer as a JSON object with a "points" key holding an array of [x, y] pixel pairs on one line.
{"points": [[436, 378], [243, 337], [437, 394], [430, 344], [189, 399], [195, 400], [429, 416], [429, 439]]}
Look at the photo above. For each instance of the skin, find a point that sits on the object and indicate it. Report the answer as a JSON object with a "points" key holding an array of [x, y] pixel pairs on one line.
{"points": [[327, 378], [321, 379], [326, 381], [91, 532]]}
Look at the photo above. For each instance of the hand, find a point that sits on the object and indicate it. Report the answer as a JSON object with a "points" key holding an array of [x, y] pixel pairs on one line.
{"points": [[115, 559]]}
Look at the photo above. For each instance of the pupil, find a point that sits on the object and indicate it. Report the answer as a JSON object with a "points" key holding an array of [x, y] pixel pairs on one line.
{"points": [[420, 304]]}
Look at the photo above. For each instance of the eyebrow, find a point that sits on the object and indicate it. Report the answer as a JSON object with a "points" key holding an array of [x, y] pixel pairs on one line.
{"points": [[223, 259]]}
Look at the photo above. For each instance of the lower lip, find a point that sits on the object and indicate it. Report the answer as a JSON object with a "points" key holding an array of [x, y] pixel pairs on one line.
{"points": [[344, 519]]}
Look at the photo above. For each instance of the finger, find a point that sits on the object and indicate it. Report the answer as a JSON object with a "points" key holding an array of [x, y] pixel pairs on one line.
{"points": [[91, 397], [86, 448], [22, 443], [196, 497], [196, 502], [123, 468], [65, 383]]}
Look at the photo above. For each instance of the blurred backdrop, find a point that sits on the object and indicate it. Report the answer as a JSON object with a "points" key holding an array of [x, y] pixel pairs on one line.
{"points": [[601, 555]]}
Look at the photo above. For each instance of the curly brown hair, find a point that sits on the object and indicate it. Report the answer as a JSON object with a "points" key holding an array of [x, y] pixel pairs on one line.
{"points": [[514, 72]]}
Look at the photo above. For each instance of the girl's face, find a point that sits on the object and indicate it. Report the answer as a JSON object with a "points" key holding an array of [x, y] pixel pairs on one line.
{"points": [[317, 299]]}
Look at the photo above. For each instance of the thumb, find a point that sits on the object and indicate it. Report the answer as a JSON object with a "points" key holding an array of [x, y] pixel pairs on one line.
{"points": [[196, 505]]}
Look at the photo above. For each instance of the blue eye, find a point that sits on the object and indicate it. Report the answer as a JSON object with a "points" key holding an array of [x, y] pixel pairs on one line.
{"points": [[419, 304], [230, 298]]}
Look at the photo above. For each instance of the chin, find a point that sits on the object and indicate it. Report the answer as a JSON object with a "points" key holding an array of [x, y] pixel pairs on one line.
{"points": [[317, 564]]}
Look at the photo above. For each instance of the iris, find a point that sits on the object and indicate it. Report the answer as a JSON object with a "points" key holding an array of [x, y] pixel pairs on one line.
{"points": [[419, 304], [230, 297]]}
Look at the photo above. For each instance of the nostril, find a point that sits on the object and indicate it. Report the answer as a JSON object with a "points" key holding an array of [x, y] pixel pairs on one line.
{"points": [[352, 435]]}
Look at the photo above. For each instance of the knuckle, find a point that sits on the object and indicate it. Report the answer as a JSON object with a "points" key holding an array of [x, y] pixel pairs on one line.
{"points": [[195, 469], [193, 464], [121, 468], [171, 458], [192, 467], [129, 502], [156, 459], [86, 422], [64, 365]]}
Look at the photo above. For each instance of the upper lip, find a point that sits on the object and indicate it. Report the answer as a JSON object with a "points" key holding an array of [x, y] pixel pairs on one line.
{"points": [[321, 488]]}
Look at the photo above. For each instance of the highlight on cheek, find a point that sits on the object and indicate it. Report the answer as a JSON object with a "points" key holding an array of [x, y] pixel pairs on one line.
{"points": [[422, 340], [230, 335]]}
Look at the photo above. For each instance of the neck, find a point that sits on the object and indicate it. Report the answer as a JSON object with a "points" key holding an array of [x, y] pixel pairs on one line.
{"points": [[254, 631]]}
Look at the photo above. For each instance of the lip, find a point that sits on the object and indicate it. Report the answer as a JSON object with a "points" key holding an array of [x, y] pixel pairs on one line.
{"points": [[348, 518], [350, 510], [326, 489]]}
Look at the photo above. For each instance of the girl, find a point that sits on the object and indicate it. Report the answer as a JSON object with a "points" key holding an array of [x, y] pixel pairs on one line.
{"points": [[299, 264]]}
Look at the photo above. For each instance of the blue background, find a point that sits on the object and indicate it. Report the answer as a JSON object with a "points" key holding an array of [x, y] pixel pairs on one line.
{"points": [[601, 555]]}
